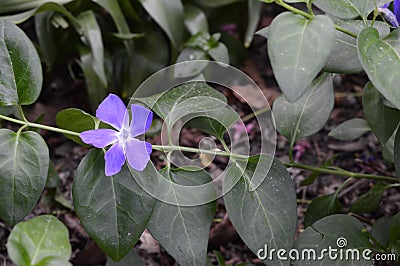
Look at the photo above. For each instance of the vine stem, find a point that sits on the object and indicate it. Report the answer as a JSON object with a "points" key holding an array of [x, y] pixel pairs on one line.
{"points": [[195, 150], [311, 16]]}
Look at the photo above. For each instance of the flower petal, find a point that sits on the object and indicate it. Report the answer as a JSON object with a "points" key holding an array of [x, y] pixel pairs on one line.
{"points": [[141, 120], [99, 138], [396, 9], [112, 111], [137, 153], [115, 159], [389, 16]]}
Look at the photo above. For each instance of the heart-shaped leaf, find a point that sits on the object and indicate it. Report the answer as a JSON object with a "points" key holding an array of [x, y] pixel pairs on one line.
{"points": [[379, 59], [42, 240], [20, 68], [113, 210], [24, 164], [298, 49], [266, 215], [308, 114], [183, 230]]}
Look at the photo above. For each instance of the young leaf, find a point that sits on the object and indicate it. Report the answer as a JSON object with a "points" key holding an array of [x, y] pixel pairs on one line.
{"points": [[254, 7], [20, 69], [379, 58], [348, 9], [350, 129], [266, 215], [24, 164], [369, 202], [335, 231], [183, 230], [344, 56], [321, 207], [382, 119], [42, 240], [308, 114], [113, 210], [298, 49]]}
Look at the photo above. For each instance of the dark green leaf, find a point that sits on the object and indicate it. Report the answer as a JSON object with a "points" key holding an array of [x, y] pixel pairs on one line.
{"points": [[169, 16], [113, 210], [45, 33], [379, 58], [20, 69], [396, 150], [369, 202], [298, 49], [344, 56], [308, 114], [183, 230], [383, 120], [24, 166], [380, 230], [348, 9], [266, 215], [12, 6], [195, 19], [43, 240], [183, 69], [328, 232], [254, 17], [53, 179], [220, 258], [321, 207], [394, 229], [75, 120], [132, 259], [350, 129], [213, 3]]}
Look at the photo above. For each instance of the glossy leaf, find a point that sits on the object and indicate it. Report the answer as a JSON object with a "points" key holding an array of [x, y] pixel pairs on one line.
{"points": [[350, 129], [308, 114], [298, 49], [325, 233], [379, 58], [113, 210], [20, 69], [169, 16], [369, 202], [195, 19], [321, 207], [348, 9], [43, 240], [266, 215], [24, 166], [75, 120], [344, 56], [254, 7], [383, 120], [182, 230]]}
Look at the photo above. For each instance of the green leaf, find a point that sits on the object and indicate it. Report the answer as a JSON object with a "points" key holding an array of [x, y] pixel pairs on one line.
{"points": [[213, 3], [254, 7], [131, 259], [40, 241], [369, 202], [53, 179], [266, 215], [219, 53], [379, 58], [12, 6], [24, 166], [93, 40], [308, 114], [380, 230], [195, 19], [396, 150], [344, 56], [383, 120], [321, 207], [169, 16], [113, 210], [183, 68], [20, 69], [298, 49], [75, 120], [182, 230], [348, 9], [350, 129], [394, 231], [45, 34], [328, 232]]}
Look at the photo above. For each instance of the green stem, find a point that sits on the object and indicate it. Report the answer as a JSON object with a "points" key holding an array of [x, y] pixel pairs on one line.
{"points": [[29, 124], [341, 172], [310, 16], [195, 150]]}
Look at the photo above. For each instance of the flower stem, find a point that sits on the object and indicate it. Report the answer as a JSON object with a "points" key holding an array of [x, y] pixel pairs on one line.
{"points": [[29, 124], [195, 150]]}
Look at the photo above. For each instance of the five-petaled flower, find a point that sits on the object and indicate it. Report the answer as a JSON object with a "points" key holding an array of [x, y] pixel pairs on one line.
{"points": [[124, 144], [392, 17]]}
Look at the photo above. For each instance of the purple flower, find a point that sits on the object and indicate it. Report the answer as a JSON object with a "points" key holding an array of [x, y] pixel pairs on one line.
{"points": [[124, 144], [392, 17]]}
